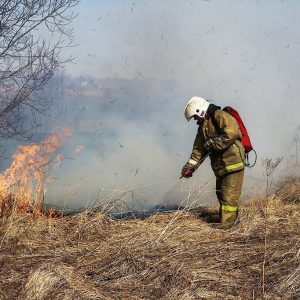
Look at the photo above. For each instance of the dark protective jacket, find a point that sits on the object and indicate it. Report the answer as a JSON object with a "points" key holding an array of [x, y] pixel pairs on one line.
{"points": [[221, 132]]}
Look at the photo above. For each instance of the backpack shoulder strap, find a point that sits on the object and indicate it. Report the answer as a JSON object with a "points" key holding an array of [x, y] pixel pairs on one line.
{"points": [[213, 119]]}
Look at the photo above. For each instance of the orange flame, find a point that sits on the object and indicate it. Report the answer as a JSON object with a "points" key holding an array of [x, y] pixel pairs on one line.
{"points": [[25, 179]]}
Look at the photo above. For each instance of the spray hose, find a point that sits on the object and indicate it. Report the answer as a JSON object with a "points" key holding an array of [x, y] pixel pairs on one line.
{"points": [[247, 163], [246, 160]]}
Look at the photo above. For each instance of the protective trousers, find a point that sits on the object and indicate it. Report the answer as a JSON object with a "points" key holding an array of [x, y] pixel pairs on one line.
{"points": [[228, 189]]}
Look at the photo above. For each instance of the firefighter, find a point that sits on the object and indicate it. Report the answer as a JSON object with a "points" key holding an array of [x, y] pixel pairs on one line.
{"points": [[218, 137]]}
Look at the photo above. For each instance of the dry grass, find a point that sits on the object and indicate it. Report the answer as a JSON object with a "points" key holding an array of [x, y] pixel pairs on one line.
{"points": [[178, 255]]}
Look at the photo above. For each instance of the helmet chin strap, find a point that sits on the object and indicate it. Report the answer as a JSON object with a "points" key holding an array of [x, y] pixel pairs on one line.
{"points": [[199, 122]]}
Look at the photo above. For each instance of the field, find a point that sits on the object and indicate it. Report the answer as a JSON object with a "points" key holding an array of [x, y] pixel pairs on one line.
{"points": [[174, 255]]}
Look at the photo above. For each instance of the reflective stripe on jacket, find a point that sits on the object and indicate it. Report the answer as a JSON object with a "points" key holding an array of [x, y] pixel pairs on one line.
{"points": [[227, 153]]}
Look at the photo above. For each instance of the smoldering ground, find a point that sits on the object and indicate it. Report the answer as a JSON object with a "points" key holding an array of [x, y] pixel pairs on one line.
{"points": [[138, 63]]}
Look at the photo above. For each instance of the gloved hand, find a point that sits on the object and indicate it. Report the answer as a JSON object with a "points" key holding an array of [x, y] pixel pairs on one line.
{"points": [[188, 170], [208, 144]]}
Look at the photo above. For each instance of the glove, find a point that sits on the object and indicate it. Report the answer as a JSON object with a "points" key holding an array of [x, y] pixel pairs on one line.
{"points": [[208, 145], [188, 170]]}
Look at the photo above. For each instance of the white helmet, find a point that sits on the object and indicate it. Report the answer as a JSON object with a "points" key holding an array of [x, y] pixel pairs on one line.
{"points": [[196, 106]]}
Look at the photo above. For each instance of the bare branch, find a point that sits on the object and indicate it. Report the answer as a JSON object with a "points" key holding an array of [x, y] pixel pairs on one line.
{"points": [[27, 58]]}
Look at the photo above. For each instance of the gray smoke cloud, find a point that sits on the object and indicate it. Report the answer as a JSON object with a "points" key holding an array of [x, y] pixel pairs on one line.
{"points": [[125, 137], [138, 63]]}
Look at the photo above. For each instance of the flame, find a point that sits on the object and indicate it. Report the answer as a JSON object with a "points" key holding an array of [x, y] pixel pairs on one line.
{"points": [[25, 180]]}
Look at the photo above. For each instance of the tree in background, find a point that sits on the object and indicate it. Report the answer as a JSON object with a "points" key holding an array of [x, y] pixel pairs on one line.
{"points": [[32, 35]]}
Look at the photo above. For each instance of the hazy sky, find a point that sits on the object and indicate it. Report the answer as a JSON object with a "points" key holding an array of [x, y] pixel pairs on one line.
{"points": [[142, 61], [244, 53], [187, 40]]}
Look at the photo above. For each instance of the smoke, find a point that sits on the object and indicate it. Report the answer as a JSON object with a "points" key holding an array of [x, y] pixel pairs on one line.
{"points": [[137, 63], [125, 143]]}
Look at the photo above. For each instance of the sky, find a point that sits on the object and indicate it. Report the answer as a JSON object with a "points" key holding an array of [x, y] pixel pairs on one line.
{"points": [[137, 63], [234, 52]]}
